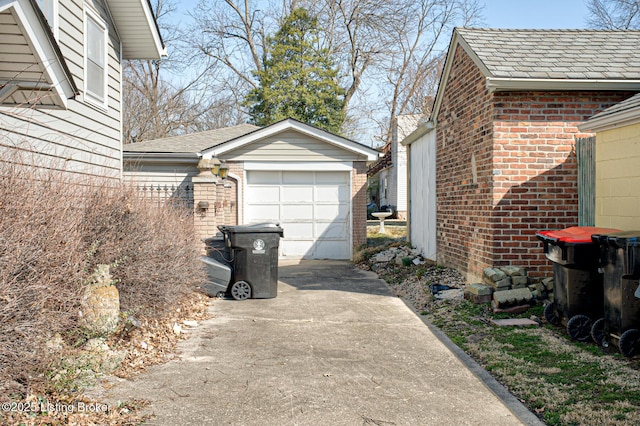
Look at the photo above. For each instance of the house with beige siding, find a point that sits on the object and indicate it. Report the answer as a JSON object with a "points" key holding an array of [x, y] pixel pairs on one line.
{"points": [[617, 157], [500, 142], [311, 182], [61, 80]]}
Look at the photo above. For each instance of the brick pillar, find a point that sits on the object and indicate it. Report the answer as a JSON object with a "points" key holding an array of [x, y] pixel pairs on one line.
{"points": [[359, 204], [205, 196]]}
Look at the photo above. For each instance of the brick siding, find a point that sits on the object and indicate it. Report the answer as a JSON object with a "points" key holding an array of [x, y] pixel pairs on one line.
{"points": [[525, 177]]}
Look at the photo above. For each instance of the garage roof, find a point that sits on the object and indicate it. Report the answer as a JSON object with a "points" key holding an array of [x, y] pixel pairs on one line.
{"points": [[213, 143]]}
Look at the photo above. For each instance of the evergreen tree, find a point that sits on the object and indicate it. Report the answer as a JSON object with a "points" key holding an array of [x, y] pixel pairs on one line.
{"points": [[298, 79]]}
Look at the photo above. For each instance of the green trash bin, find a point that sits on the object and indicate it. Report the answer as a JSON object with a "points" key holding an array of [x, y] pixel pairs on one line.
{"points": [[255, 259]]}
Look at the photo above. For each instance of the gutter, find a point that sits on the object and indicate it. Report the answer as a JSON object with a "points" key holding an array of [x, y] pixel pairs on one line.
{"points": [[611, 121], [495, 84]]}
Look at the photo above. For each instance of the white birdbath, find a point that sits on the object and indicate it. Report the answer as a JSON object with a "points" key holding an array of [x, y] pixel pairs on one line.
{"points": [[381, 216]]}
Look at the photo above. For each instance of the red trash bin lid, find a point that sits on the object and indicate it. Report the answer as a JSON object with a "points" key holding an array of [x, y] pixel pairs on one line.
{"points": [[576, 234]]}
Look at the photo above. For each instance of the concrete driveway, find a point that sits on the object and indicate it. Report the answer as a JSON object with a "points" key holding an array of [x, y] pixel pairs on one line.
{"points": [[334, 348]]}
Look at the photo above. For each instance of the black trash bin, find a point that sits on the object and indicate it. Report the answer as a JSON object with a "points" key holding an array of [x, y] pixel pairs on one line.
{"points": [[577, 287], [620, 261], [255, 259]]}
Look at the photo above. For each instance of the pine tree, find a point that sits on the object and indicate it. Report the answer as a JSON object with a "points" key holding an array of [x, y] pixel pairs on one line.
{"points": [[298, 79]]}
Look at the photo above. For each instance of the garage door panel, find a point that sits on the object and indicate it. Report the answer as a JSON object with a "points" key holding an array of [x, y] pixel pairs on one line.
{"points": [[293, 230], [329, 212], [332, 177], [332, 193], [260, 194], [324, 249], [263, 177], [297, 178], [296, 248], [331, 230], [262, 213], [296, 212], [312, 207], [297, 193]]}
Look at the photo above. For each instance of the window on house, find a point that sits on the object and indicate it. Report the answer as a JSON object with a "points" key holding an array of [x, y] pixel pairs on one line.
{"points": [[95, 81], [49, 9]]}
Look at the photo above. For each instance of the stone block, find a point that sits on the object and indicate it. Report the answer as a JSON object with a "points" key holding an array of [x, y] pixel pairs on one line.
{"points": [[548, 283], [504, 283], [512, 297], [514, 322], [479, 289], [519, 281], [514, 271], [493, 275], [477, 299]]}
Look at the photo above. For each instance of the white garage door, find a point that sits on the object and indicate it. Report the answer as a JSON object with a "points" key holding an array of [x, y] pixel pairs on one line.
{"points": [[313, 208]]}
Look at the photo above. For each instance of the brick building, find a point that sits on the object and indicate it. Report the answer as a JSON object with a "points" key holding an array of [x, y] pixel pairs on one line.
{"points": [[504, 129]]}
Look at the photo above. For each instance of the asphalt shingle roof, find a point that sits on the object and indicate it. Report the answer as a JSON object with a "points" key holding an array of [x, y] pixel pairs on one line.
{"points": [[192, 143], [556, 54]]}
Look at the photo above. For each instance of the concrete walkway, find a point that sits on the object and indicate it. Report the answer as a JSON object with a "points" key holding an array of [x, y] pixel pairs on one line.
{"points": [[334, 348]]}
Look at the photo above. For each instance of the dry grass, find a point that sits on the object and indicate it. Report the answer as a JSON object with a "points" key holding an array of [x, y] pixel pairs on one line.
{"points": [[55, 231]]}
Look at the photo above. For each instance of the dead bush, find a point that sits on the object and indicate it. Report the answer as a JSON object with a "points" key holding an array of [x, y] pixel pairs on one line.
{"points": [[54, 231]]}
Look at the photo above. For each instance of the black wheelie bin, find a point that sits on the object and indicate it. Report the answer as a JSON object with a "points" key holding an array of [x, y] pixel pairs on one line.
{"points": [[620, 261], [255, 259], [577, 287]]}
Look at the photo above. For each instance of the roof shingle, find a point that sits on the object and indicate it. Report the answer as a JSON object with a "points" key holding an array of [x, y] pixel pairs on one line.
{"points": [[192, 143], [556, 54]]}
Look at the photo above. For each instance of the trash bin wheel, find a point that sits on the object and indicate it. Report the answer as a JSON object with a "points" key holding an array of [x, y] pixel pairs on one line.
{"points": [[551, 315], [630, 342], [241, 290], [579, 327], [597, 332]]}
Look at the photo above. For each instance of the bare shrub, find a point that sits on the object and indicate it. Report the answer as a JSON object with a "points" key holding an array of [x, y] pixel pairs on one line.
{"points": [[54, 231]]}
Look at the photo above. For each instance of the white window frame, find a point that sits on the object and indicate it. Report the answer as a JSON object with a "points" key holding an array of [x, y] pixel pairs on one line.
{"points": [[49, 9], [90, 97]]}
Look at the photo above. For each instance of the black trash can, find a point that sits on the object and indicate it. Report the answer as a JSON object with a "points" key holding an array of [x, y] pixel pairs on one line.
{"points": [[620, 261], [255, 259], [577, 287]]}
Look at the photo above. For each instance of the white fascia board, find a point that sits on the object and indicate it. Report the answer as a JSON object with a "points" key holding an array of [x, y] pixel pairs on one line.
{"points": [[422, 130], [342, 166], [41, 46], [289, 124], [612, 121], [495, 84]]}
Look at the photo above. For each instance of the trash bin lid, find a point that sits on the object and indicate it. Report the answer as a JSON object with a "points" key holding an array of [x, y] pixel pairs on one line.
{"points": [[574, 234], [624, 238], [257, 228]]}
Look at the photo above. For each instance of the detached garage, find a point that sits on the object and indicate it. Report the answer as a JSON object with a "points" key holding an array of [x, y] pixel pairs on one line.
{"points": [[310, 181]]}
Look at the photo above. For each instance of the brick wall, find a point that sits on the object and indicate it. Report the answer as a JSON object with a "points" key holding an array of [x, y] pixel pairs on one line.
{"points": [[464, 203], [505, 168], [359, 203], [535, 169]]}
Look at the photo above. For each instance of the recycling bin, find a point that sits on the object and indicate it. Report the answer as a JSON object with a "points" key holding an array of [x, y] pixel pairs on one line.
{"points": [[255, 259], [620, 261], [577, 288]]}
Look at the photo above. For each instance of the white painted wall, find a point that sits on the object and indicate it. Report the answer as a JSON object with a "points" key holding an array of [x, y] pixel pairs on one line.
{"points": [[422, 188]]}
